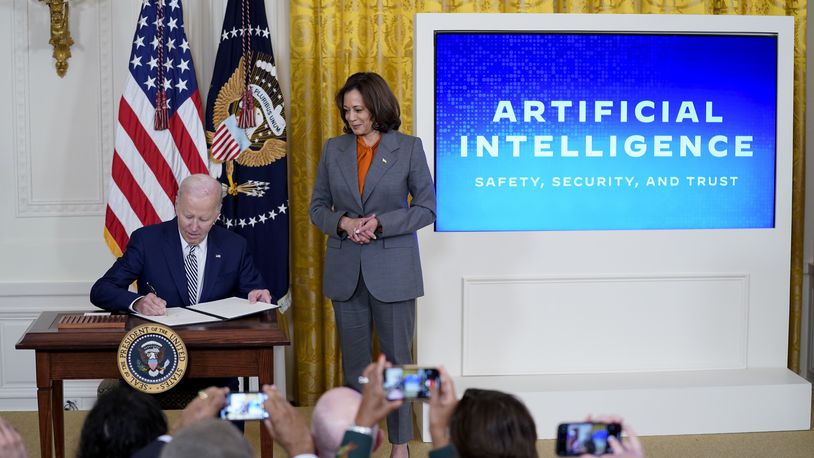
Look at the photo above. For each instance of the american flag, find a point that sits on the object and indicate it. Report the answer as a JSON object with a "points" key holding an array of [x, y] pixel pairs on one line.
{"points": [[148, 164]]}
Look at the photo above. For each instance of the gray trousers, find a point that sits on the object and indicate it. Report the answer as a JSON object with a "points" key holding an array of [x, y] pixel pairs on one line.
{"points": [[395, 325]]}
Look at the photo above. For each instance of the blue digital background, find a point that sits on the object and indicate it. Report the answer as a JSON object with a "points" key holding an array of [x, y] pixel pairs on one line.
{"points": [[474, 71]]}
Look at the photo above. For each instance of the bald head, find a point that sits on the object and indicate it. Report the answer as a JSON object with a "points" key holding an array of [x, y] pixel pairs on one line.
{"points": [[197, 207], [334, 412], [200, 186]]}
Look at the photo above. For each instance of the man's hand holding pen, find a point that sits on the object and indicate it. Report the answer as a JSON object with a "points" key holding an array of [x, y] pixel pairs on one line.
{"points": [[151, 304]]}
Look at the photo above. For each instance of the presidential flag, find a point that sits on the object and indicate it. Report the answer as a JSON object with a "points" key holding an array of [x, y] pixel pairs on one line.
{"points": [[160, 138], [246, 132]]}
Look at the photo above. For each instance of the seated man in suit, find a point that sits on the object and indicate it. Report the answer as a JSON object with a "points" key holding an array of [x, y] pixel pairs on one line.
{"points": [[183, 261]]}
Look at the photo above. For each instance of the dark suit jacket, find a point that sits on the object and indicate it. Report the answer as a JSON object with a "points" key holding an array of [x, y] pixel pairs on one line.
{"points": [[154, 255], [151, 450], [355, 445], [390, 264]]}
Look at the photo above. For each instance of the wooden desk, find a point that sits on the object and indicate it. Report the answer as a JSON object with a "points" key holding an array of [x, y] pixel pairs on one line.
{"points": [[234, 348]]}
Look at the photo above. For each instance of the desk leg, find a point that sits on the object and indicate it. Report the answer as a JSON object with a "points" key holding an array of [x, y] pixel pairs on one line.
{"points": [[44, 402], [58, 416], [266, 377]]}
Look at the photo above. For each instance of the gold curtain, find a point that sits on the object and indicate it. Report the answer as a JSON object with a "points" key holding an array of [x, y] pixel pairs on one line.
{"points": [[331, 39]]}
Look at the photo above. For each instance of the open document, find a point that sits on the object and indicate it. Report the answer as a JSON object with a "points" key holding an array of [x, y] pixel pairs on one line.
{"points": [[206, 312]]}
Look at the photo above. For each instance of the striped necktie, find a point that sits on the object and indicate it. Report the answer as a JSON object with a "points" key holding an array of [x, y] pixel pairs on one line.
{"points": [[191, 265]]}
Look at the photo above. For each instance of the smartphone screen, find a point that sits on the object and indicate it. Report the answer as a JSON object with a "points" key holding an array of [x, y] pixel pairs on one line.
{"points": [[244, 406], [406, 382], [574, 439]]}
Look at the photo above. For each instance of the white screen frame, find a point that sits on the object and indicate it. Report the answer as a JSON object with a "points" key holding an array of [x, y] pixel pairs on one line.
{"points": [[760, 257]]}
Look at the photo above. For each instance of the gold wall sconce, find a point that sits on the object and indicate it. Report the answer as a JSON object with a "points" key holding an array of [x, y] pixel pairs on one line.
{"points": [[61, 39]]}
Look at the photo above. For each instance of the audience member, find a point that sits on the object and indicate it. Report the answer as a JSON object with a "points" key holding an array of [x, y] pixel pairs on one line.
{"points": [[11, 443], [443, 401], [287, 426], [489, 423], [495, 424], [484, 423], [358, 440], [333, 414], [208, 438], [206, 405], [121, 422], [628, 447]]}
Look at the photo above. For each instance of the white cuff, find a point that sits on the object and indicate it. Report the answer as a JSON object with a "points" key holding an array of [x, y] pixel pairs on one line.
{"points": [[131, 304]]}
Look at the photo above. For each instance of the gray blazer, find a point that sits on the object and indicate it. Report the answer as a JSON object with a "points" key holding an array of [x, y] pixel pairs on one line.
{"points": [[390, 264]]}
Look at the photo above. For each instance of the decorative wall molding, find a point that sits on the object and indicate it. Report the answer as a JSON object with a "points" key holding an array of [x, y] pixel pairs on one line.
{"points": [[31, 298], [20, 100], [561, 320], [109, 102], [27, 203], [81, 392], [20, 304]]}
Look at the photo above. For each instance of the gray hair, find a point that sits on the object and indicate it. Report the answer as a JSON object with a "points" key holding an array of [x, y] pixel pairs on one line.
{"points": [[199, 184], [208, 438]]}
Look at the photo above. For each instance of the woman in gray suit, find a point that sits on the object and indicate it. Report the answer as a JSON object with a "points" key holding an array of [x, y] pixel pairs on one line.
{"points": [[372, 192]]}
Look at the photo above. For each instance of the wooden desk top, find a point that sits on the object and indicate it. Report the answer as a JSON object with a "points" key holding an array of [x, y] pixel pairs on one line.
{"points": [[258, 330]]}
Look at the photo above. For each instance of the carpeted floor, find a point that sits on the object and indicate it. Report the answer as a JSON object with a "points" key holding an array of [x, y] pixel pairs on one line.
{"points": [[796, 444]]}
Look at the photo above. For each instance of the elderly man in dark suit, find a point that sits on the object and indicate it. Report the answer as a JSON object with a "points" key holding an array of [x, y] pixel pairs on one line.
{"points": [[183, 261]]}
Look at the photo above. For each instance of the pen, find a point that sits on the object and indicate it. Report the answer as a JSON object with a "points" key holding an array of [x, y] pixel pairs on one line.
{"points": [[152, 290]]}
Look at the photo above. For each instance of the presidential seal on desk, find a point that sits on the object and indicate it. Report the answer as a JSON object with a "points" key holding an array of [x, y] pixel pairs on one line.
{"points": [[152, 358]]}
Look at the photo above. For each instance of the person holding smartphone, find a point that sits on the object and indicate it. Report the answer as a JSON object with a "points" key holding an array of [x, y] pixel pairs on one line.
{"points": [[628, 447], [373, 191], [467, 427]]}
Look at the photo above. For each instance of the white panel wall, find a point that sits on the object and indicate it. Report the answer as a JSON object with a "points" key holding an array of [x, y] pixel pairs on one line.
{"points": [[56, 144], [20, 303], [566, 320]]}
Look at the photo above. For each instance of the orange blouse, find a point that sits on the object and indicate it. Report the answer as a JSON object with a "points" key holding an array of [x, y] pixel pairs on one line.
{"points": [[364, 157]]}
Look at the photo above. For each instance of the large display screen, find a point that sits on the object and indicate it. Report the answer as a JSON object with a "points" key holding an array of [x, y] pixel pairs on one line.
{"points": [[604, 131]]}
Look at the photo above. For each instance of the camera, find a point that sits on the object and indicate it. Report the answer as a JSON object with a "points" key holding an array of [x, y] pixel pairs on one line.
{"points": [[244, 406], [408, 382], [574, 439]]}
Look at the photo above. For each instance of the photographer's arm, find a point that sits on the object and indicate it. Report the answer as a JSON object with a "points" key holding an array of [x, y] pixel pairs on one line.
{"points": [[628, 447], [442, 404], [358, 439], [287, 426]]}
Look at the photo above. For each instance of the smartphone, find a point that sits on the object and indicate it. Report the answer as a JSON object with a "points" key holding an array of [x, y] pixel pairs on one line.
{"points": [[574, 439], [410, 382], [244, 406]]}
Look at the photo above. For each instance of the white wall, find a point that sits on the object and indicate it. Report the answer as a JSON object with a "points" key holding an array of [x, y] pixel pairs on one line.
{"points": [[56, 144]]}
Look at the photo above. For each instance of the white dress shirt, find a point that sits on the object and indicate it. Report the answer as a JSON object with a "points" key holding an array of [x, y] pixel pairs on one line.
{"points": [[200, 256]]}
